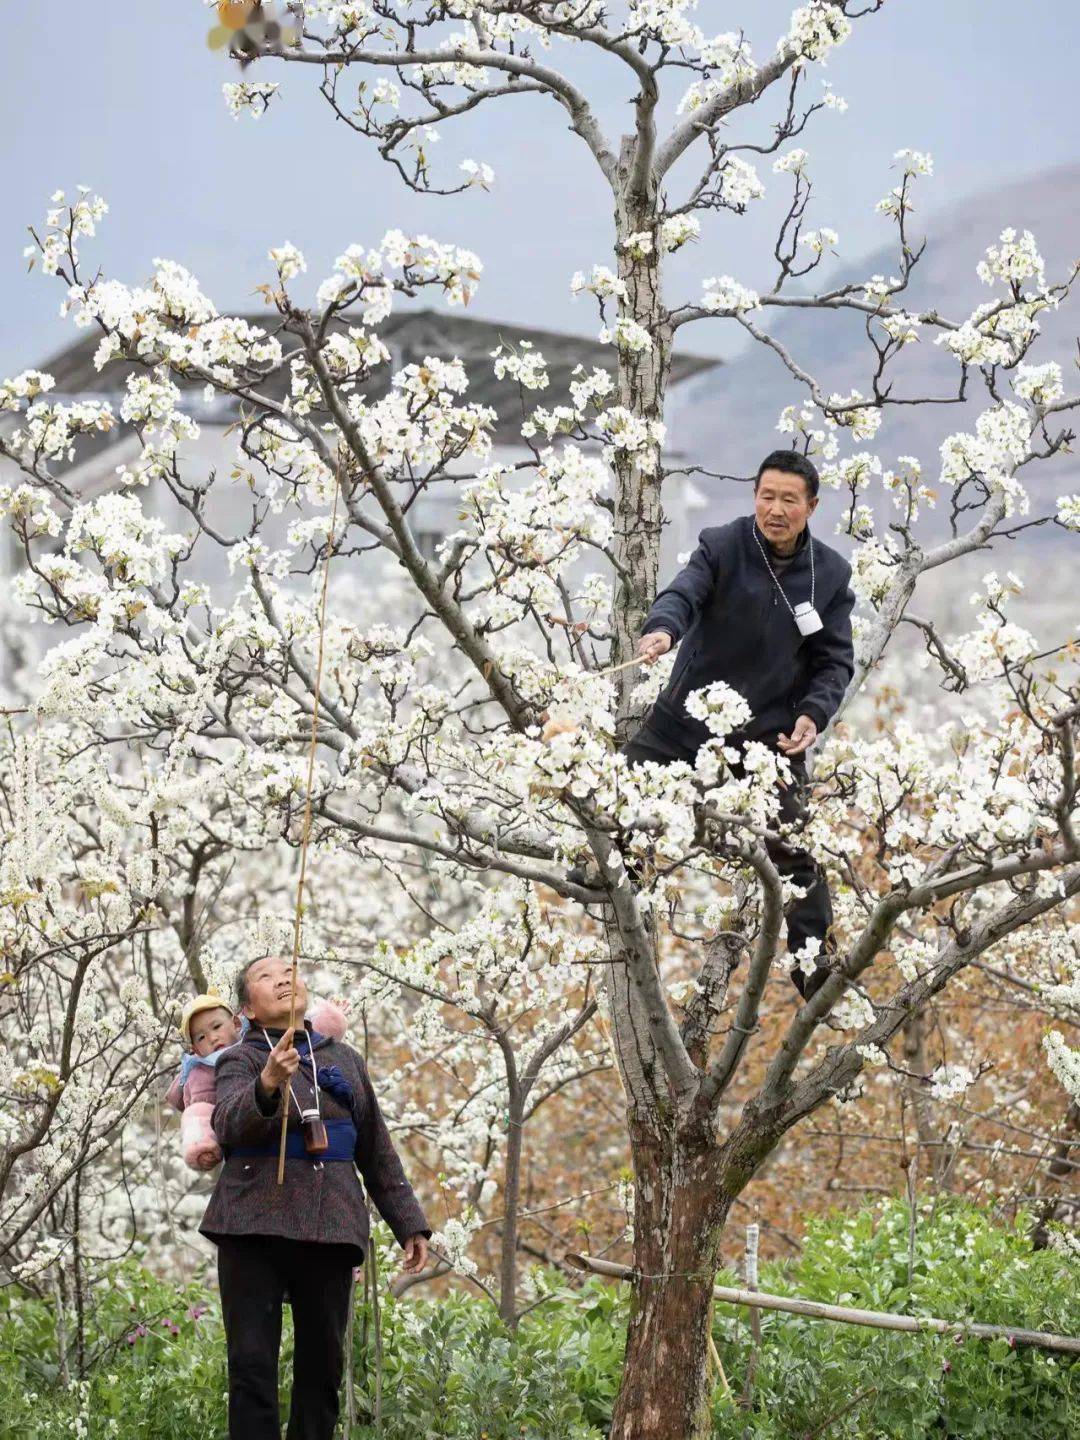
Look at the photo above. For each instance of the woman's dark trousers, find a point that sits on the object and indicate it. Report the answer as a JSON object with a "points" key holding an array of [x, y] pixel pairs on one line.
{"points": [[253, 1274], [810, 916]]}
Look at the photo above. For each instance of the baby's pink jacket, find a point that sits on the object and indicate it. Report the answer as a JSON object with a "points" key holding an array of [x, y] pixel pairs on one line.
{"points": [[195, 1099]]}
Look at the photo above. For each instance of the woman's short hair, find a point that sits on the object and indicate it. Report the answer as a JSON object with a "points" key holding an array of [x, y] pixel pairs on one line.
{"points": [[241, 979]]}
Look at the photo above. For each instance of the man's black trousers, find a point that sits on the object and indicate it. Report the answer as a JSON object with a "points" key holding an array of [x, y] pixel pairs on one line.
{"points": [[253, 1273], [812, 915]]}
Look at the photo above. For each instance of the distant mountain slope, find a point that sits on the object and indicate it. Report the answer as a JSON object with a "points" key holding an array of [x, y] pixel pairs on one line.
{"points": [[725, 420]]}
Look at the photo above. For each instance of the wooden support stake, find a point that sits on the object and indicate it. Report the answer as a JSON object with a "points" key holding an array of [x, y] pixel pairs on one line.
{"points": [[750, 1273]]}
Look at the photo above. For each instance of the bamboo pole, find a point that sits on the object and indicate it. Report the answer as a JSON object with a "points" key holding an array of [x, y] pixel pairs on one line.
{"points": [[884, 1320], [306, 832], [614, 669], [609, 1268], [720, 1369], [350, 1361], [376, 1315], [846, 1315]]}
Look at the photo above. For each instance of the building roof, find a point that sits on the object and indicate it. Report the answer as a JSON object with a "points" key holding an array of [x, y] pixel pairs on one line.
{"points": [[410, 335]]}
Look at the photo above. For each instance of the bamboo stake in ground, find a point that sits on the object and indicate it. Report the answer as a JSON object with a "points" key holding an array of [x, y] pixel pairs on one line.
{"points": [[306, 831], [750, 1273]]}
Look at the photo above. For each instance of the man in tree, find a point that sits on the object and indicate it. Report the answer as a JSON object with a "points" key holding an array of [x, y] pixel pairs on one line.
{"points": [[737, 611]]}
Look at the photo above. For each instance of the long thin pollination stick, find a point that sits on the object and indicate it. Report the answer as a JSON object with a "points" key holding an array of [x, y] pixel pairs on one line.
{"points": [[306, 832], [614, 669]]}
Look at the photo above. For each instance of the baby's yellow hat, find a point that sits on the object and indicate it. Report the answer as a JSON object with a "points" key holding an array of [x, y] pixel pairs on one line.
{"points": [[210, 1001]]}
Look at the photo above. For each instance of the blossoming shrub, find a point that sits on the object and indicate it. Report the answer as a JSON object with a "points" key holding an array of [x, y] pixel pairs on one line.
{"points": [[450, 1369]]}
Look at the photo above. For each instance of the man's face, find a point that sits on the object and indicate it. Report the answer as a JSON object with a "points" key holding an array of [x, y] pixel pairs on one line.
{"points": [[782, 506], [268, 990], [213, 1030]]}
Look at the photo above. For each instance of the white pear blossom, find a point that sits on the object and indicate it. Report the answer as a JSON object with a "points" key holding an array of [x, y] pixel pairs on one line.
{"points": [[627, 432], [289, 261], [974, 347], [1001, 441], [26, 386], [677, 230], [800, 420], [874, 568], [901, 327], [601, 282], [639, 246], [878, 289], [816, 29], [950, 1080], [831, 100], [863, 421], [628, 335], [1041, 384], [792, 162], [916, 162], [821, 240], [479, 173], [719, 707], [528, 366], [725, 293], [1014, 260], [1064, 1061], [739, 183], [853, 1011], [249, 97]]}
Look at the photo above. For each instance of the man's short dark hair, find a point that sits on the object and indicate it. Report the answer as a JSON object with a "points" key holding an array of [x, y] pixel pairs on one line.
{"points": [[791, 463]]}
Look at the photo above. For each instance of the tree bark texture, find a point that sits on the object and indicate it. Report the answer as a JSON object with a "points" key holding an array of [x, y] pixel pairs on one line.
{"points": [[679, 1214], [641, 386]]}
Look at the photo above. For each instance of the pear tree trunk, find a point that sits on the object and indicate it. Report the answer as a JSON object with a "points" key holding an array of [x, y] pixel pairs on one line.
{"points": [[679, 1214]]}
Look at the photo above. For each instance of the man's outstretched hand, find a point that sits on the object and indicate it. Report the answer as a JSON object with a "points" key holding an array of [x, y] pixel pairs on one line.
{"points": [[803, 735], [415, 1254], [650, 647]]}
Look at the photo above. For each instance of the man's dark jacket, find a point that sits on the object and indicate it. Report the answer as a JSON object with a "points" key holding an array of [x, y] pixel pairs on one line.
{"points": [[733, 625], [323, 1203]]}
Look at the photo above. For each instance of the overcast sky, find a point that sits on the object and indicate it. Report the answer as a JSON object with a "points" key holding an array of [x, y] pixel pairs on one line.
{"points": [[126, 98]]}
